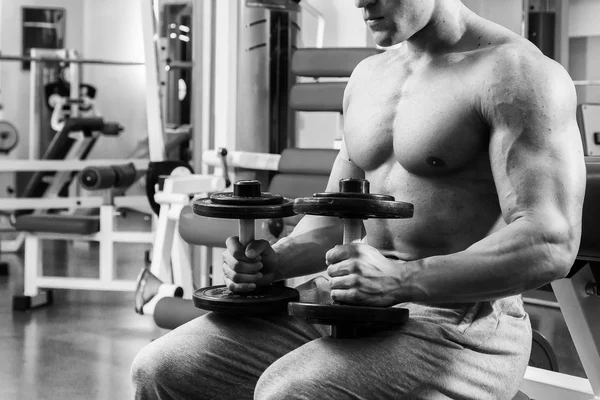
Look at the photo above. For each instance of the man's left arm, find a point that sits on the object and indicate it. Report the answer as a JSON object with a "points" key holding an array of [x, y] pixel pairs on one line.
{"points": [[539, 171]]}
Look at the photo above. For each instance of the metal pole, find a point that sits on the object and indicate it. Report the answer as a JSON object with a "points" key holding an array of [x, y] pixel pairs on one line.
{"points": [[67, 60], [74, 81], [154, 112], [587, 83], [34, 111]]}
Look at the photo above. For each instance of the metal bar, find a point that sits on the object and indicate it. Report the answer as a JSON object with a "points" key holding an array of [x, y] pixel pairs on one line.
{"points": [[86, 284], [132, 237], [58, 165], [68, 60], [587, 83], [244, 159], [548, 385], [580, 312], [543, 303], [176, 64], [154, 111], [74, 81], [26, 203]]}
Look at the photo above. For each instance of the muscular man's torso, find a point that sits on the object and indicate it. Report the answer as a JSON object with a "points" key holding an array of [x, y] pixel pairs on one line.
{"points": [[414, 126]]}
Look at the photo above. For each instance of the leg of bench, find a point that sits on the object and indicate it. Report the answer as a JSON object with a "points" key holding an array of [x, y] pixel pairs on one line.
{"points": [[32, 297], [107, 245], [33, 261]]}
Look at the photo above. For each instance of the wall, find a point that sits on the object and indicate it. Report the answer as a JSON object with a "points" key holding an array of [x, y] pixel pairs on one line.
{"points": [[14, 83], [585, 65], [583, 18], [507, 13], [584, 57], [113, 31]]}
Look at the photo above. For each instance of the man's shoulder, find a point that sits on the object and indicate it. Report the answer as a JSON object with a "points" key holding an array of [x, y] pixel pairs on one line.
{"points": [[519, 64]]}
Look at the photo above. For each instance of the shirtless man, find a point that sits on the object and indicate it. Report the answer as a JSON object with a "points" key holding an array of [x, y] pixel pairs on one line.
{"points": [[476, 128]]}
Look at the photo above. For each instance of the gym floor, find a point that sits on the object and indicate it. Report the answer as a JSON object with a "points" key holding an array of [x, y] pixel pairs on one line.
{"points": [[82, 346]]}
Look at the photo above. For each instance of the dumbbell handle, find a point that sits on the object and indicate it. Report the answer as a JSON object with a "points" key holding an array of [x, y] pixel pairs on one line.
{"points": [[246, 231], [352, 230]]}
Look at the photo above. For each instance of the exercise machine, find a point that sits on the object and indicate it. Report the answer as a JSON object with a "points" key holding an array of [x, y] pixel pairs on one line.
{"points": [[85, 228]]}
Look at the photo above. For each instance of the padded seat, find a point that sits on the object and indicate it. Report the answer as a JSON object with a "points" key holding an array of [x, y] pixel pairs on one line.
{"points": [[64, 224]]}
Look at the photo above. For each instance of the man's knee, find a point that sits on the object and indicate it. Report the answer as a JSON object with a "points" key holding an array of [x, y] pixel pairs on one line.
{"points": [[280, 385], [293, 380], [153, 372], [146, 368]]}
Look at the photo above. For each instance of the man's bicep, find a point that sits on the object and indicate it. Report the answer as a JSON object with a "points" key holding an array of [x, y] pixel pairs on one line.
{"points": [[536, 152]]}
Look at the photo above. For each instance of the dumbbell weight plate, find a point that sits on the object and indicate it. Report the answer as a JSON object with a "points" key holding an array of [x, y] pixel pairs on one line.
{"points": [[353, 205], [207, 208], [267, 300], [330, 314]]}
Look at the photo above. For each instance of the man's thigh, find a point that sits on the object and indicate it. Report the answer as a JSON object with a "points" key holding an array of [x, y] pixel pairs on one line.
{"points": [[216, 356], [463, 352]]}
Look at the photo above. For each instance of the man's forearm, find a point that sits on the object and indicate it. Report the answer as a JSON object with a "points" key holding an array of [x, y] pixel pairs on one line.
{"points": [[303, 252], [511, 261]]}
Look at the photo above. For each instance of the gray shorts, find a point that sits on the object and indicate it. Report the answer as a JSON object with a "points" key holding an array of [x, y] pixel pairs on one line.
{"points": [[473, 351]]}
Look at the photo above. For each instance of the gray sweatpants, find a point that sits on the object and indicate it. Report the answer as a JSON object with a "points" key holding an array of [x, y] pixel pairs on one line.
{"points": [[453, 351]]}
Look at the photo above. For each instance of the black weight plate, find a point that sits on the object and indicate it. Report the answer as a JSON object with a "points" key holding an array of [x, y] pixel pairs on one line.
{"points": [[329, 314], [271, 299], [350, 195], [228, 198], [344, 207], [206, 208], [542, 355]]}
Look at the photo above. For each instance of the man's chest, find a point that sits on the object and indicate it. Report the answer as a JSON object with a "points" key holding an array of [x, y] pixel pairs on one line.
{"points": [[426, 121]]}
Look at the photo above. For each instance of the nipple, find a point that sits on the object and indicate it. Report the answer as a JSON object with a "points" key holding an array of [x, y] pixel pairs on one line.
{"points": [[436, 162]]}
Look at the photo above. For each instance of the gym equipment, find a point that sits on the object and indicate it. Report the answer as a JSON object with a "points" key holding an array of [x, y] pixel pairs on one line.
{"points": [[353, 203], [542, 356], [106, 177], [170, 265], [246, 203], [37, 227], [157, 171], [171, 312], [149, 288], [74, 142], [588, 119], [579, 308], [9, 137]]}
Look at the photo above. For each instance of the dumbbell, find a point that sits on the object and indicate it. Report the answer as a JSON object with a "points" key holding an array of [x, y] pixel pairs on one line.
{"points": [[353, 204], [246, 203]]}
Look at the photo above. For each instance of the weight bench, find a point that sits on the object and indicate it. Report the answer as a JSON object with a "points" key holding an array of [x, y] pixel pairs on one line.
{"points": [[99, 228]]}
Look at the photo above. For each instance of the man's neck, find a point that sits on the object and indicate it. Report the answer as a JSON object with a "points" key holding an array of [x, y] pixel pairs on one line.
{"points": [[445, 29]]}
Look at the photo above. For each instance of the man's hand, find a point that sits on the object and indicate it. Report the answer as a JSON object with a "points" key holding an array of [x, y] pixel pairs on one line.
{"points": [[361, 275], [249, 267]]}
